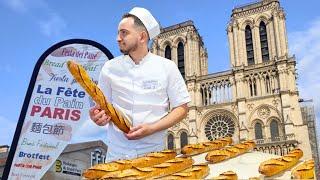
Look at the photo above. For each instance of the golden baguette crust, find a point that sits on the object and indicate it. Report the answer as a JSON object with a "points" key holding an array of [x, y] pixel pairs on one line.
{"points": [[156, 171], [229, 175], [154, 158], [82, 77], [198, 171], [99, 170], [304, 170], [216, 156], [194, 149], [276, 165]]}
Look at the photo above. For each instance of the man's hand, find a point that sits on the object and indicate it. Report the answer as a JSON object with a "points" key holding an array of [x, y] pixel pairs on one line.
{"points": [[143, 130], [140, 131], [99, 116]]}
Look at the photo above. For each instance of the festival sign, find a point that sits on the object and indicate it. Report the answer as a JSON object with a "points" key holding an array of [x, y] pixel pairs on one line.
{"points": [[54, 108]]}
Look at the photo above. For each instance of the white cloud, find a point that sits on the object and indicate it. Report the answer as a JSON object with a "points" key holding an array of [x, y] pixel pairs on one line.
{"points": [[50, 23], [8, 68], [305, 44], [16, 5], [7, 130], [52, 26]]}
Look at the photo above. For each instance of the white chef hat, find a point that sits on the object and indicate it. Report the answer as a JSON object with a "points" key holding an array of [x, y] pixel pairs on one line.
{"points": [[148, 21]]}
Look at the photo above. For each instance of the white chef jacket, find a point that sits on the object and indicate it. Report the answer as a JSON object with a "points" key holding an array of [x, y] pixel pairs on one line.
{"points": [[143, 92]]}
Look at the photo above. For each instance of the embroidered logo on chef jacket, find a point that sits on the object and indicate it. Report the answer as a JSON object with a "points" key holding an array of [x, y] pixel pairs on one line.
{"points": [[150, 84]]}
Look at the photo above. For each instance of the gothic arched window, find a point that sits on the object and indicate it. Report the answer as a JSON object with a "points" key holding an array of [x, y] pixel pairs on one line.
{"points": [[268, 84], [274, 130], [181, 59], [255, 87], [183, 139], [170, 141], [249, 45], [167, 52], [264, 42], [258, 130], [204, 95], [252, 87]]}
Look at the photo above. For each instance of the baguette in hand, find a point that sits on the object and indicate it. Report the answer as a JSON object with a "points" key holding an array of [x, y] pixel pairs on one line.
{"points": [[82, 77]]}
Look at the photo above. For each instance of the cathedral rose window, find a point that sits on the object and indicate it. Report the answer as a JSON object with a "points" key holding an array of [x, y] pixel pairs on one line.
{"points": [[220, 125]]}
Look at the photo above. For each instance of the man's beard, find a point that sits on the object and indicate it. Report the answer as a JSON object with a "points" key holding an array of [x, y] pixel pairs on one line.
{"points": [[129, 49]]}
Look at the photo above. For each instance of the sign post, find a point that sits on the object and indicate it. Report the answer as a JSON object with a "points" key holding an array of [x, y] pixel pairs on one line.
{"points": [[54, 108]]}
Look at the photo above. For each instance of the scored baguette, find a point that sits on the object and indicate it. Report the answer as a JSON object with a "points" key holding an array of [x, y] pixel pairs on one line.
{"points": [[198, 171], [276, 165], [194, 149], [169, 167], [216, 156], [82, 77], [99, 170], [304, 170], [229, 175]]}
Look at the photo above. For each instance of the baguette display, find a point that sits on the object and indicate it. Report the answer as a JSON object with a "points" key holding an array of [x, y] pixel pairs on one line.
{"points": [[304, 170], [199, 171], [194, 149], [229, 175], [99, 170], [169, 167], [82, 77], [216, 156], [276, 165]]}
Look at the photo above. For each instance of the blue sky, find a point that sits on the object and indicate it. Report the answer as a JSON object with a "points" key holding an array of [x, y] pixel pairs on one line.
{"points": [[29, 27]]}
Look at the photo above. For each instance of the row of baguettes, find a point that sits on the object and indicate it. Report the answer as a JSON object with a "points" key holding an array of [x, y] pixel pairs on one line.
{"points": [[82, 77], [99, 170], [277, 165], [194, 149], [304, 170], [216, 156], [198, 171], [169, 167]]}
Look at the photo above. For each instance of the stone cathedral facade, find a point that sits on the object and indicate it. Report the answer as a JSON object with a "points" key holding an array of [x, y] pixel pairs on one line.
{"points": [[256, 99]]}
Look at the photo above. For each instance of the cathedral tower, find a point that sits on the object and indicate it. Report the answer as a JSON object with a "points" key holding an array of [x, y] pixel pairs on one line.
{"points": [[264, 71]]}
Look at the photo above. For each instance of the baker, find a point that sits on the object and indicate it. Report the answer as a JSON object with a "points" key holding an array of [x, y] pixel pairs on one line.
{"points": [[148, 88]]}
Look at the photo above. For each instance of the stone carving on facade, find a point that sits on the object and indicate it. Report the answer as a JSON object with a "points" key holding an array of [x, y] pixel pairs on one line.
{"points": [[234, 108], [250, 106], [257, 10], [275, 102], [229, 28], [264, 112], [176, 127]]}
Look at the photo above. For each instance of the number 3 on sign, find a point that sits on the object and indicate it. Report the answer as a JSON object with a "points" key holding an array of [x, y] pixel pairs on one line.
{"points": [[58, 166]]}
